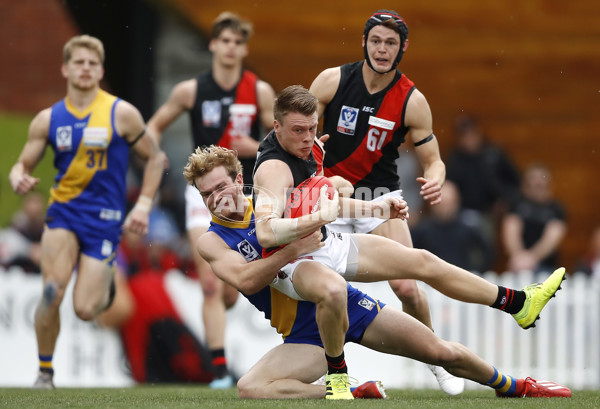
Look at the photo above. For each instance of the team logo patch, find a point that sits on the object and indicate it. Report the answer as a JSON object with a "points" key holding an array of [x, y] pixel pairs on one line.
{"points": [[246, 250], [95, 137], [347, 120], [211, 114], [64, 138], [366, 303]]}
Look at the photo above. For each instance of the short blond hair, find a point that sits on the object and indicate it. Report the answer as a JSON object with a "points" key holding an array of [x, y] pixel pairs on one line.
{"points": [[204, 160], [233, 22], [86, 41]]}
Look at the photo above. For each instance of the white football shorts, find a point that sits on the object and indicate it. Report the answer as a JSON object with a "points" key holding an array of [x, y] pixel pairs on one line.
{"points": [[340, 253]]}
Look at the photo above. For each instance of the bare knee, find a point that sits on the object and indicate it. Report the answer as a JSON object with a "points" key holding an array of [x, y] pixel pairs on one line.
{"points": [[406, 290], [247, 388], [230, 298], [449, 354], [52, 294], [334, 291], [89, 309], [212, 287]]}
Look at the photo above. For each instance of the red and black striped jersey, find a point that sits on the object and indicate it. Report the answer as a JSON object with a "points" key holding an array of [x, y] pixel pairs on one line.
{"points": [[366, 129], [218, 115]]}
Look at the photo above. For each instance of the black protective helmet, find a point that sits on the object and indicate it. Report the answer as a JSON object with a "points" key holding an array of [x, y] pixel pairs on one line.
{"points": [[379, 17]]}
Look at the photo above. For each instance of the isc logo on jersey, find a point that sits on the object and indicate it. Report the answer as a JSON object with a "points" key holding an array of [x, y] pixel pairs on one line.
{"points": [[347, 120]]}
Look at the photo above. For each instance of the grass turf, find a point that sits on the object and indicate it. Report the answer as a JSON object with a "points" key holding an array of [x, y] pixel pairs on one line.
{"points": [[201, 397]]}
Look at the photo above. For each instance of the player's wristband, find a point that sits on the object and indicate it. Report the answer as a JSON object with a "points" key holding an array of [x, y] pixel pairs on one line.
{"points": [[144, 203]]}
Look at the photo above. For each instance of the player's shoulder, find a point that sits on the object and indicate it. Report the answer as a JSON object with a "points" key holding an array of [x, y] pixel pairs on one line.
{"points": [[263, 88], [210, 243], [40, 124], [43, 115], [185, 87], [125, 110], [329, 76], [326, 84]]}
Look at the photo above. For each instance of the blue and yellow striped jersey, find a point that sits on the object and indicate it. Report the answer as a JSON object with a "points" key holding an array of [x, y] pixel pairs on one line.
{"points": [[91, 159], [287, 316]]}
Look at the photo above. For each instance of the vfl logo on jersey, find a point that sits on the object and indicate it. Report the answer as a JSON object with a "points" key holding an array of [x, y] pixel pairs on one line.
{"points": [[241, 116], [246, 250], [211, 114], [347, 120], [366, 303], [95, 137], [64, 138]]}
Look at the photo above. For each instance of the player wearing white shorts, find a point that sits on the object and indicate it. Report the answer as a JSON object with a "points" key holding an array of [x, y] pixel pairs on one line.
{"points": [[288, 371], [287, 156]]}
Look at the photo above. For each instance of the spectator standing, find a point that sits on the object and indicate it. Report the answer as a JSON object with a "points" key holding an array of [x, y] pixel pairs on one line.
{"points": [[535, 225]]}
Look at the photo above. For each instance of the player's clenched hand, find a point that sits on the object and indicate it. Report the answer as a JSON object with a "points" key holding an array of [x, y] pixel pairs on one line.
{"points": [[137, 221], [343, 186], [328, 208], [23, 184], [308, 244], [431, 191], [391, 208]]}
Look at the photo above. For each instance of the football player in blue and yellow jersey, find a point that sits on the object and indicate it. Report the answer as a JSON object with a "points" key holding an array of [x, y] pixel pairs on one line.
{"points": [[227, 105], [289, 370], [91, 133]]}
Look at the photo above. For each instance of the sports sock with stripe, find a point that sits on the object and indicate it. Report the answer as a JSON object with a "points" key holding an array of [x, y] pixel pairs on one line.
{"points": [[503, 383], [509, 300], [336, 364], [46, 364], [219, 362]]}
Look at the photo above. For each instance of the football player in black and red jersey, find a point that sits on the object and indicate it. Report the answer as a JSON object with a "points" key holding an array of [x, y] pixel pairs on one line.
{"points": [[369, 108]]}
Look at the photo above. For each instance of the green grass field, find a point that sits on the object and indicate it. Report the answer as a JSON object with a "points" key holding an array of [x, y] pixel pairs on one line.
{"points": [[168, 397]]}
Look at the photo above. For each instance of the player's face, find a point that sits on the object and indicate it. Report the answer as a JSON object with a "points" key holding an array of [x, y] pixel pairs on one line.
{"points": [[222, 195], [84, 70], [383, 46], [297, 132], [229, 49]]}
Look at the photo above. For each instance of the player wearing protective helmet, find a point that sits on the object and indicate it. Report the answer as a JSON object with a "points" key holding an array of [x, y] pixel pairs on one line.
{"points": [[392, 20], [369, 108]]}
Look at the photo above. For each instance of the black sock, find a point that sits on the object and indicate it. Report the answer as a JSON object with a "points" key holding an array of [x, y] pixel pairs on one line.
{"points": [[336, 364], [219, 362], [510, 301]]}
